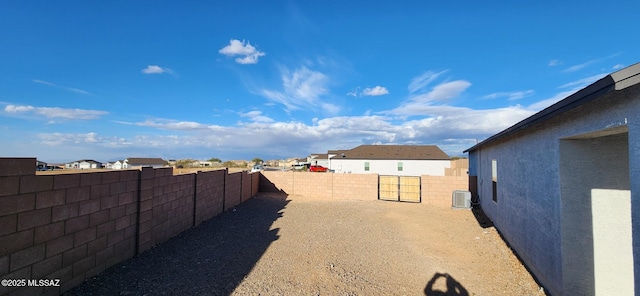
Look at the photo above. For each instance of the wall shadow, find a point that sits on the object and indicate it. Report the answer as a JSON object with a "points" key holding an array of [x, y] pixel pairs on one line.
{"points": [[446, 281], [265, 185], [210, 259], [481, 217]]}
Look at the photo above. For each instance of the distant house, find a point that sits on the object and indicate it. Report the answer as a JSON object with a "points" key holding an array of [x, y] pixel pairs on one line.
{"points": [[397, 160], [83, 164], [296, 162], [41, 166], [563, 188], [134, 163], [321, 159], [119, 165]]}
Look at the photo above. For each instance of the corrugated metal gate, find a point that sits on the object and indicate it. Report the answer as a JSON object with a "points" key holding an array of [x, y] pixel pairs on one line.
{"points": [[399, 188]]}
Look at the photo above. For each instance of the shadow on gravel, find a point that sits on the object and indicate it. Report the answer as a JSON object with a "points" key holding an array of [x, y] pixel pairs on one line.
{"points": [[211, 259], [453, 287]]}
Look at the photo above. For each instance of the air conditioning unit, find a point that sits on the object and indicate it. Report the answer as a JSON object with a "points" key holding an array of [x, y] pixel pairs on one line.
{"points": [[461, 199]]}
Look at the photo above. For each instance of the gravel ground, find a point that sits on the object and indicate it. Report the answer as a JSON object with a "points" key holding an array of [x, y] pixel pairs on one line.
{"points": [[270, 245]]}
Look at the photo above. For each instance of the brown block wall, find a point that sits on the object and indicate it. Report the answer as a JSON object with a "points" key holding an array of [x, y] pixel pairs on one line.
{"points": [[67, 227], [209, 195], [255, 183], [232, 190], [172, 207], [437, 190], [74, 226], [246, 191]]}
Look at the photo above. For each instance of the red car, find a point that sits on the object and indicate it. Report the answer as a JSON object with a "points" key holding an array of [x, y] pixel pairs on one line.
{"points": [[317, 168]]}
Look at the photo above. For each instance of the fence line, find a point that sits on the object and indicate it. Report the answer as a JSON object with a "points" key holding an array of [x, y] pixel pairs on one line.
{"points": [[435, 190], [73, 226]]}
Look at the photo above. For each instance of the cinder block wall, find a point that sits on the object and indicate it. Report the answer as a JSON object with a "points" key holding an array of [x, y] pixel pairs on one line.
{"points": [[232, 188], [321, 185], [272, 181], [209, 195], [437, 190], [74, 226], [355, 186], [255, 184], [310, 184], [171, 207], [246, 192]]}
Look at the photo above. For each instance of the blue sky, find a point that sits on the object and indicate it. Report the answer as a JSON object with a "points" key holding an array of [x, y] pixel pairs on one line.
{"points": [[278, 79]]}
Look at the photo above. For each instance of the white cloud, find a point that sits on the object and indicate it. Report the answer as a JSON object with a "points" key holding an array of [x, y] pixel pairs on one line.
{"points": [[570, 87], [302, 89], [292, 138], [354, 92], [18, 109], [376, 91], [56, 112], [247, 52], [256, 116], [553, 63], [155, 69], [420, 82], [169, 124], [422, 102], [578, 67], [580, 83], [617, 67], [434, 121], [71, 89], [512, 96], [44, 82], [581, 66]]}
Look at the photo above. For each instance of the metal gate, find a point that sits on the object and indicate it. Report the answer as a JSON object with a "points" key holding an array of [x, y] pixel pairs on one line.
{"points": [[399, 188]]}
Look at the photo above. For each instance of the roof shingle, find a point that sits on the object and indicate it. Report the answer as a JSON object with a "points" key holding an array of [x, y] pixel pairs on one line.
{"points": [[393, 152]]}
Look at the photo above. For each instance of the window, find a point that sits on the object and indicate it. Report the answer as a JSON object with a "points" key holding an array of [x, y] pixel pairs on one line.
{"points": [[399, 166], [494, 179], [366, 166]]}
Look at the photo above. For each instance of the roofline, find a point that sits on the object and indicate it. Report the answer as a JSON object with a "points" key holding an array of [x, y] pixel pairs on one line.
{"points": [[615, 81]]}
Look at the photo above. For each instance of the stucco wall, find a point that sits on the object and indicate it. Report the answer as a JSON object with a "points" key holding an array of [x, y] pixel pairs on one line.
{"points": [[528, 211], [390, 167]]}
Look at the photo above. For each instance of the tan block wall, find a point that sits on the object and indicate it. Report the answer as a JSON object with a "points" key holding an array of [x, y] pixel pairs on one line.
{"points": [[318, 185], [459, 167], [272, 181], [437, 190], [321, 185], [74, 226], [355, 186]]}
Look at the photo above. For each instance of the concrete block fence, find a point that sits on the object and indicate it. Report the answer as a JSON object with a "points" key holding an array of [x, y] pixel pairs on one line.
{"points": [[73, 226], [435, 190]]}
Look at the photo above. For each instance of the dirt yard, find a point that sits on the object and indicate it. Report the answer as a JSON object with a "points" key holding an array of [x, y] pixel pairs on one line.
{"points": [[300, 246]]}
